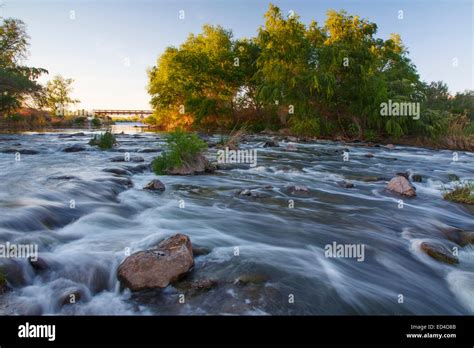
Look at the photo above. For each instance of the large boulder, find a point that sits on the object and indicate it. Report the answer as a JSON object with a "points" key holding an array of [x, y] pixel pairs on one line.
{"points": [[402, 186], [155, 185], [159, 266]]}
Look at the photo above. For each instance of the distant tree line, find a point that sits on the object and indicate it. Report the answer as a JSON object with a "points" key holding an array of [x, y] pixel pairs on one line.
{"points": [[318, 80]]}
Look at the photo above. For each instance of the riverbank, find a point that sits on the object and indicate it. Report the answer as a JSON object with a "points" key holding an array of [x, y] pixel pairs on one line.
{"points": [[455, 143]]}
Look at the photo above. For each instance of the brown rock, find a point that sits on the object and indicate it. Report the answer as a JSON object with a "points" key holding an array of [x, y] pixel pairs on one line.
{"points": [[204, 284], [402, 186], [157, 267], [155, 185], [439, 253], [458, 236], [198, 165]]}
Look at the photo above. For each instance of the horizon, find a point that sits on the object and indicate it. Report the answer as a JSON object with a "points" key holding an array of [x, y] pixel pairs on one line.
{"points": [[116, 76]]}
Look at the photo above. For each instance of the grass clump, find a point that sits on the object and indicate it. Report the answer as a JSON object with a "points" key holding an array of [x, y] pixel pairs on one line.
{"points": [[233, 139], [182, 149], [104, 141], [461, 193]]}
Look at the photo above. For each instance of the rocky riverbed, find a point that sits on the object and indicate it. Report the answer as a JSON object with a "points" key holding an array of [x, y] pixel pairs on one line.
{"points": [[258, 233]]}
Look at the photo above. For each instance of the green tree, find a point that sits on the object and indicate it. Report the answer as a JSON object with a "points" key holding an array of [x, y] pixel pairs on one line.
{"points": [[17, 82], [317, 79], [57, 96], [195, 84], [285, 67]]}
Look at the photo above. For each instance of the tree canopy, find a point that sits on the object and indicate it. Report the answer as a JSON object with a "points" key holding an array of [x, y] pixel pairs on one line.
{"points": [[17, 82], [315, 79]]}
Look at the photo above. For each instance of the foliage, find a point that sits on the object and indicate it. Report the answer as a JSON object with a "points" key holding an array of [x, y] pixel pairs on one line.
{"points": [[182, 148], [305, 126], [104, 140], [319, 79], [462, 193], [80, 120], [96, 122], [56, 97], [18, 83]]}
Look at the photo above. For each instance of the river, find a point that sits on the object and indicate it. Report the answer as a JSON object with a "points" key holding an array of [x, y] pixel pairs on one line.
{"points": [[85, 220]]}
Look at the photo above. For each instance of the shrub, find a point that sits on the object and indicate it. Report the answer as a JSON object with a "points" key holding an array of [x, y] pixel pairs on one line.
{"points": [[462, 193], [182, 149], [96, 122], [370, 135], [79, 120], [305, 126], [104, 141]]}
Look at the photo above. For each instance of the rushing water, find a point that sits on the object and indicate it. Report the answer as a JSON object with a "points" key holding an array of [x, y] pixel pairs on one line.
{"points": [[281, 249]]}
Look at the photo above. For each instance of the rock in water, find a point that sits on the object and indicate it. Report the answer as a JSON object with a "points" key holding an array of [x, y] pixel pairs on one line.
{"points": [[271, 143], [439, 253], [155, 185], [297, 189], [198, 165], [127, 159], [458, 236], [74, 148], [345, 184], [157, 267], [39, 264], [402, 186]]}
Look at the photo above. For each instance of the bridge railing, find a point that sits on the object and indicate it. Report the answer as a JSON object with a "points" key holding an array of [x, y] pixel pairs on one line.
{"points": [[122, 112]]}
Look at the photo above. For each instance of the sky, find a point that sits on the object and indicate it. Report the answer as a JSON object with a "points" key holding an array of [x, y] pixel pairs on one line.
{"points": [[106, 46]]}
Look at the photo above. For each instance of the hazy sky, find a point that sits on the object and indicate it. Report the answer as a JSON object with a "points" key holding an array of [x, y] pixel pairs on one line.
{"points": [[106, 46]]}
